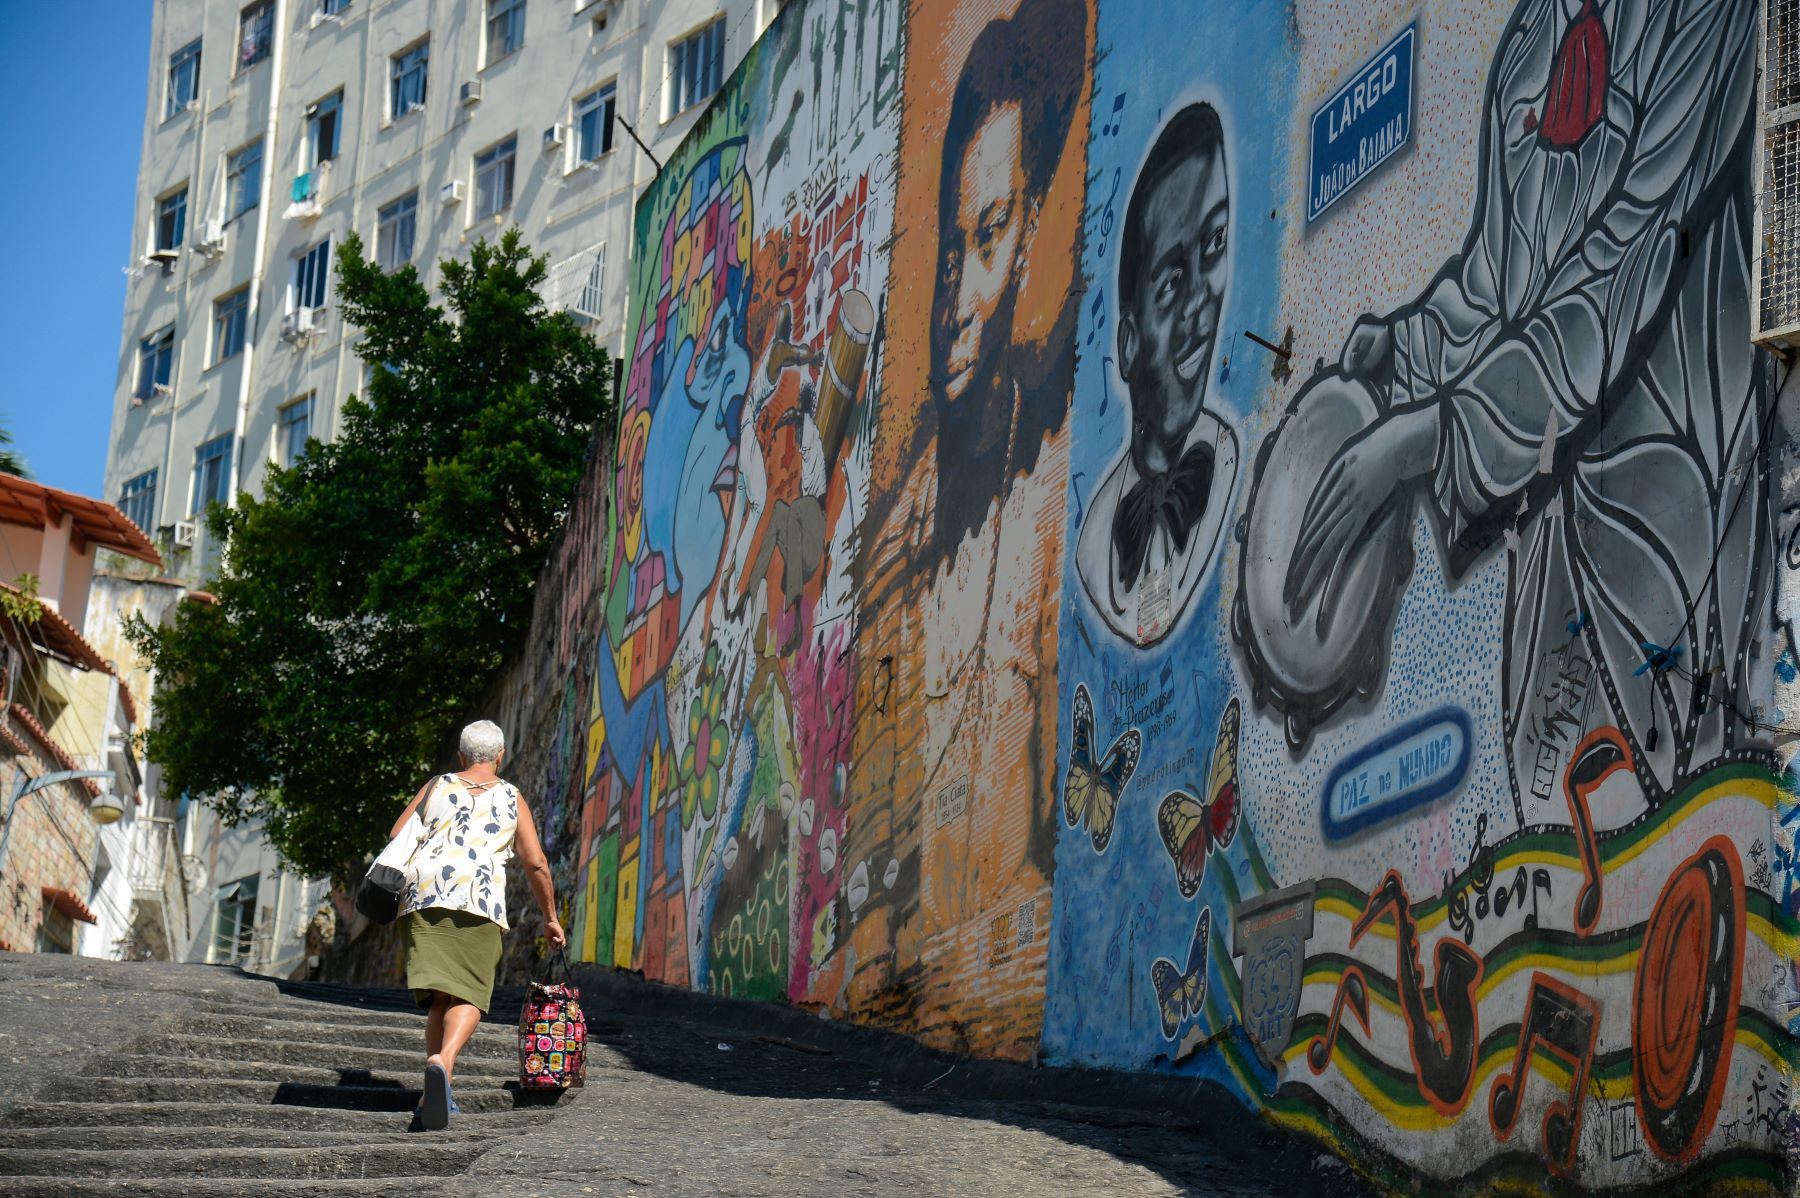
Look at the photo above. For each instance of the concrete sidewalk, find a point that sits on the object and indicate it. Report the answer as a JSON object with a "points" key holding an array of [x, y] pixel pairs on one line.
{"points": [[694, 1095]]}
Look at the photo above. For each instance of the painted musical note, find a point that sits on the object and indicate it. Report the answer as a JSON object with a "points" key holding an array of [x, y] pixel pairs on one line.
{"points": [[1565, 1023], [1096, 317], [1111, 128], [1352, 994], [1600, 755]]}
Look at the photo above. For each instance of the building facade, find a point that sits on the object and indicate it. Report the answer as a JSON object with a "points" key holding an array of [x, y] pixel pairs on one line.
{"points": [[70, 881], [273, 130], [1258, 548]]}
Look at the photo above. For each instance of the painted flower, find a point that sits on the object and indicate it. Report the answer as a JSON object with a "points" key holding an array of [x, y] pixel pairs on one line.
{"points": [[704, 758], [534, 1063]]}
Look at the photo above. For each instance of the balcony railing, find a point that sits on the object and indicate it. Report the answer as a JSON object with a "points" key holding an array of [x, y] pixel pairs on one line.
{"points": [[157, 879]]}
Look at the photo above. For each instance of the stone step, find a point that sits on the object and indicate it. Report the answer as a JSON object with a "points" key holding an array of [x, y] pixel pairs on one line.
{"points": [[55, 1186], [198, 1068], [316, 1055], [421, 1156], [105, 1115], [489, 1040], [199, 1135], [478, 1097]]}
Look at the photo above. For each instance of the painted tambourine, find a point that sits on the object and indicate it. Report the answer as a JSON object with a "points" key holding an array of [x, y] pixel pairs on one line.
{"points": [[1306, 662]]}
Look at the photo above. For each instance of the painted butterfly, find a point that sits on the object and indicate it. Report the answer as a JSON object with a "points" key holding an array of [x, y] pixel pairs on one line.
{"points": [[1192, 829], [1181, 993], [1091, 792]]}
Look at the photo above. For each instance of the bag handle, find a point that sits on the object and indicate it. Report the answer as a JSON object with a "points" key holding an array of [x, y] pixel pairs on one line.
{"points": [[550, 967]]}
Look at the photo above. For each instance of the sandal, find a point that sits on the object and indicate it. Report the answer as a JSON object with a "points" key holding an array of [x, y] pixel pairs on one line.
{"points": [[434, 1109]]}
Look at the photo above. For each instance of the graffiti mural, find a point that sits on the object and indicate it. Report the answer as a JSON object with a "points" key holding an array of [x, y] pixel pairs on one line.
{"points": [[1066, 588]]}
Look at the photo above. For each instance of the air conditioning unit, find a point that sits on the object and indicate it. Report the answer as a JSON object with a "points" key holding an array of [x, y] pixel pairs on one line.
{"points": [[186, 531], [297, 325], [471, 92], [554, 136], [451, 192], [212, 238], [1775, 311]]}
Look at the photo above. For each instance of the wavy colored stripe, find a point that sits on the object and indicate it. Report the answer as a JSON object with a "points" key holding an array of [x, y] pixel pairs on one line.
{"points": [[1555, 845]]}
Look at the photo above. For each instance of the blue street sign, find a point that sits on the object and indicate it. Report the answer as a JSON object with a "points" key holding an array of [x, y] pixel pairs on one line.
{"points": [[1362, 125]]}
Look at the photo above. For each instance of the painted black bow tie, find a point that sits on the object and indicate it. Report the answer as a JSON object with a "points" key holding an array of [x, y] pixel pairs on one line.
{"points": [[1176, 500]]}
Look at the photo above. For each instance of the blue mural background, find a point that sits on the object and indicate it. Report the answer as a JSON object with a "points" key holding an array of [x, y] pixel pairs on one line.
{"points": [[1116, 912]]}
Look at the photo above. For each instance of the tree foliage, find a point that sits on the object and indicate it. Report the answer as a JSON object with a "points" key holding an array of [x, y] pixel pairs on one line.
{"points": [[368, 597]]}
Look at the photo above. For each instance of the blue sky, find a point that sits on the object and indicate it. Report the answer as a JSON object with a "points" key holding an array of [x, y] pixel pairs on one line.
{"points": [[74, 87]]}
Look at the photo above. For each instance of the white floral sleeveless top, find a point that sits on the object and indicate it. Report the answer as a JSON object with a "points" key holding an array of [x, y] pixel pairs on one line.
{"points": [[461, 862]]}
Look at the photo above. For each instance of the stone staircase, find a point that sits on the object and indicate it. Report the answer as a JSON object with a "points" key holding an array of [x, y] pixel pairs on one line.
{"points": [[309, 1092]]}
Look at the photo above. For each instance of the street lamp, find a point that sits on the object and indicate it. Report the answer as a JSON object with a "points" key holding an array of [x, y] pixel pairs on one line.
{"points": [[105, 808]]}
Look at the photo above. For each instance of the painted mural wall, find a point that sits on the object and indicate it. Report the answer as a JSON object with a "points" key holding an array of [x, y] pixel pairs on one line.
{"points": [[1240, 547]]}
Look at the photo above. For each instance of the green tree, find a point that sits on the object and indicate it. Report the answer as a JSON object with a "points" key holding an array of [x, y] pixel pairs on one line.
{"points": [[11, 460], [369, 596]]}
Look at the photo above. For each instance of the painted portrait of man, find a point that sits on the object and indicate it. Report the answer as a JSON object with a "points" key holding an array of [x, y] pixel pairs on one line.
{"points": [[1009, 118], [968, 480], [1151, 530]]}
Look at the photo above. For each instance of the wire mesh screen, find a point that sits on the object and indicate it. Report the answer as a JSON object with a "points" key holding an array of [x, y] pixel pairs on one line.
{"points": [[1780, 297], [1782, 54]]}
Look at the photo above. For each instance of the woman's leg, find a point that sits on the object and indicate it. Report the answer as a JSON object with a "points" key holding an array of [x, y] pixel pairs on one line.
{"points": [[434, 1024], [458, 1021]]}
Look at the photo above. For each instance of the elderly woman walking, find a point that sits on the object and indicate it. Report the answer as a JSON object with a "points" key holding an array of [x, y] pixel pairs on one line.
{"points": [[452, 916]]}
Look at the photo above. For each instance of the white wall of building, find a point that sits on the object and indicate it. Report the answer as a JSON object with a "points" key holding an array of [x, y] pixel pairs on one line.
{"points": [[570, 211]]}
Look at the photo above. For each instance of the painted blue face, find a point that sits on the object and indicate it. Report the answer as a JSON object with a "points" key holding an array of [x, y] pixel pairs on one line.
{"points": [[709, 463]]}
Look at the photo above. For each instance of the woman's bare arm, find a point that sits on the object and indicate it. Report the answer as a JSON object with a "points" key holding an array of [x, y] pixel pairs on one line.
{"points": [[530, 852]]}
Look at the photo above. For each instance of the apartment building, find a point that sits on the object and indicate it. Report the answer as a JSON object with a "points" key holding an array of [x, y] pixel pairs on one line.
{"points": [[274, 129]]}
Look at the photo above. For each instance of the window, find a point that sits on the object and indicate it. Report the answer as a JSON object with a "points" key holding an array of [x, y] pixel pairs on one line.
{"points": [[333, 8], [230, 316], [243, 180], [156, 354], [408, 90], [323, 121], [171, 220], [234, 926], [137, 499], [696, 66], [494, 178], [594, 123], [395, 226], [505, 28], [184, 78], [293, 425], [307, 279], [56, 934], [256, 33], [212, 473]]}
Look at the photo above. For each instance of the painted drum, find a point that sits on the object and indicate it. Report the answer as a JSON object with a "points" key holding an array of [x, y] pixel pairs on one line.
{"points": [[1308, 662], [846, 353], [1685, 1008]]}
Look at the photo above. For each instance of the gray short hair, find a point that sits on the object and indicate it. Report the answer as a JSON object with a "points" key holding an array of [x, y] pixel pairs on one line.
{"points": [[482, 741]]}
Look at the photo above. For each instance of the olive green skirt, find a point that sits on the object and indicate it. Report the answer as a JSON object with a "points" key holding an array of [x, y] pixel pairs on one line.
{"points": [[451, 951]]}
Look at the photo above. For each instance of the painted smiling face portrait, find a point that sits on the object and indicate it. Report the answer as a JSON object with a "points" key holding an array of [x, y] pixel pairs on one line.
{"points": [[1152, 529], [1173, 274], [1009, 120]]}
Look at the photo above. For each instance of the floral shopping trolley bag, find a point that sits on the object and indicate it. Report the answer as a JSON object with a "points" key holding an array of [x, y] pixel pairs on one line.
{"points": [[552, 1033]]}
